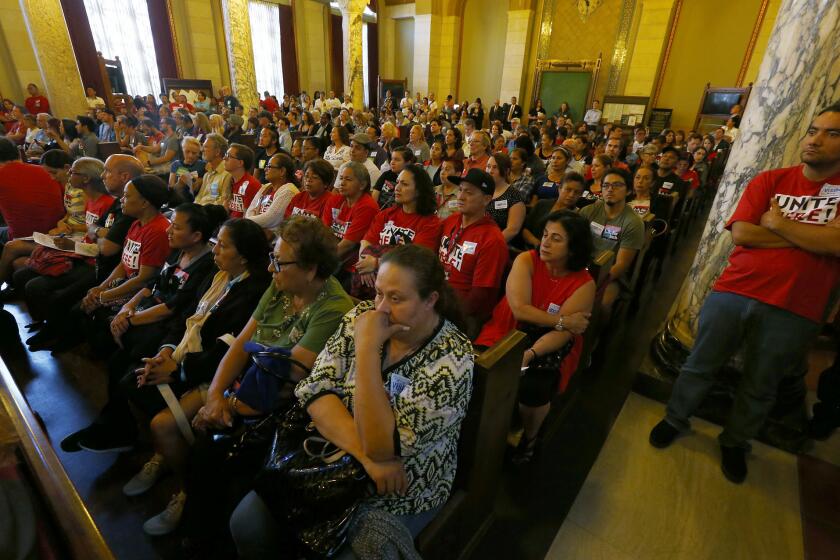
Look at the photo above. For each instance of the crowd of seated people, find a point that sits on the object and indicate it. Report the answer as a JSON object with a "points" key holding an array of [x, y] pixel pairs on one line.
{"points": [[212, 227]]}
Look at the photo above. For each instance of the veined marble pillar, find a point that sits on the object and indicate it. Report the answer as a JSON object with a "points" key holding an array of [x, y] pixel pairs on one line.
{"points": [[351, 23], [800, 74], [62, 83], [243, 78]]}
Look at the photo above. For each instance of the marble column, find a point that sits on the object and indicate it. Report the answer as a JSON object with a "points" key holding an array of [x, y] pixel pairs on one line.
{"points": [[243, 78], [800, 74], [351, 24], [62, 83]]}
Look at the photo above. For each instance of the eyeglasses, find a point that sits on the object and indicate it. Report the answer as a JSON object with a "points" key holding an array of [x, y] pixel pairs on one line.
{"points": [[605, 186], [274, 167], [231, 156], [278, 265]]}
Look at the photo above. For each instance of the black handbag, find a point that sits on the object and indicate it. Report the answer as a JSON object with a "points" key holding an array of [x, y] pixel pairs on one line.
{"points": [[550, 361], [268, 373], [311, 486]]}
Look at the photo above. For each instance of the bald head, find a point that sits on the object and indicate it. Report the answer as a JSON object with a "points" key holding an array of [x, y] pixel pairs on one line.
{"points": [[119, 170]]}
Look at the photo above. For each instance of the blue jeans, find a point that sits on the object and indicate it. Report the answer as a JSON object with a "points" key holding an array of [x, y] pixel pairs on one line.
{"points": [[774, 341], [255, 530]]}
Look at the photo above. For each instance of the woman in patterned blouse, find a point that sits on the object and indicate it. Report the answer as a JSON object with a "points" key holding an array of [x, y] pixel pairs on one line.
{"points": [[391, 388]]}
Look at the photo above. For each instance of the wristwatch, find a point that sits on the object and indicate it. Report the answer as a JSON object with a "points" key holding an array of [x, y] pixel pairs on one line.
{"points": [[559, 325]]}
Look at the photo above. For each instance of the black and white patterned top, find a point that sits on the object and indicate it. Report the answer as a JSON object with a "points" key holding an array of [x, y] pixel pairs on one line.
{"points": [[429, 393]]}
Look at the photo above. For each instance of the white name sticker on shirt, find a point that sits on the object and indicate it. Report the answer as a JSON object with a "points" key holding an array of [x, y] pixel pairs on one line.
{"points": [[815, 210], [830, 190], [417, 153], [553, 308], [596, 228], [548, 184], [398, 383], [109, 221], [372, 154], [243, 188], [500, 204], [470, 247], [667, 185]]}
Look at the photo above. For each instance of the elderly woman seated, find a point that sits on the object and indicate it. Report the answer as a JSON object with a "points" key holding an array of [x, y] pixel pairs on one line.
{"points": [[549, 295], [300, 310], [393, 364]]}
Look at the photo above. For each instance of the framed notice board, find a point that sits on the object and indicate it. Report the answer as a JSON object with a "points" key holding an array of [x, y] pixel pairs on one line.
{"points": [[659, 120], [625, 110]]}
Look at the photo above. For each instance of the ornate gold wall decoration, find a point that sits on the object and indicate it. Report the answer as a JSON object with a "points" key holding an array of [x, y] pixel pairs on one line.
{"points": [[48, 33], [243, 78], [619, 57], [586, 7]]}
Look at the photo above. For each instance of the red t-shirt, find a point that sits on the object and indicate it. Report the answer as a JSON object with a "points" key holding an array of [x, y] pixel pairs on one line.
{"points": [[473, 257], [349, 222], [187, 106], [480, 163], [95, 209], [37, 104], [269, 105], [241, 194], [145, 245], [30, 200], [691, 177], [790, 278], [302, 204], [393, 226]]}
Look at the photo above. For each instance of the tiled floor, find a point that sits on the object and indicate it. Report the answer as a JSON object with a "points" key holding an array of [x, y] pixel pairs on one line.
{"points": [[645, 503]]}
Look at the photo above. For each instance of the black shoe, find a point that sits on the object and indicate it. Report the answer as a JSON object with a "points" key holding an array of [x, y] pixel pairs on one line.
{"points": [[663, 434], [106, 441], [70, 444], [825, 420], [42, 340], [524, 451], [733, 462], [35, 326]]}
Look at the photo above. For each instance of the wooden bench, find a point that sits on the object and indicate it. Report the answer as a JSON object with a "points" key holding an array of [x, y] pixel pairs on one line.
{"points": [[108, 149], [469, 512]]}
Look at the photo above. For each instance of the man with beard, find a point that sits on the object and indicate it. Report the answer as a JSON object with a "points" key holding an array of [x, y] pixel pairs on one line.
{"points": [[771, 298]]}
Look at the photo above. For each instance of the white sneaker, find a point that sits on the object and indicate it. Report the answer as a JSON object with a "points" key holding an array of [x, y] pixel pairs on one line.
{"points": [[166, 521], [146, 478]]}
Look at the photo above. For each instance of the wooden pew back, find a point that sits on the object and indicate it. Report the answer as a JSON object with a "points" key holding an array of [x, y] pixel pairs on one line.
{"points": [[469, 511]]}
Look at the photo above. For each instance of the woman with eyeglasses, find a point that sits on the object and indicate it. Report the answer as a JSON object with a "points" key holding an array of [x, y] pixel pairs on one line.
{"points": [[391, 388], [318, 176], [299, 311], [268, 207]]}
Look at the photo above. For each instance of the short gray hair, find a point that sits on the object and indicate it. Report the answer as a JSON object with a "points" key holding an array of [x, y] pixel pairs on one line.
{"points": [[92, 169], [219, 140], [359, 171]]}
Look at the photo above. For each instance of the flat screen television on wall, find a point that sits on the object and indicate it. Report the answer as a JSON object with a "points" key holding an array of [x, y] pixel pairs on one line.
{"points": [[720, 102]]}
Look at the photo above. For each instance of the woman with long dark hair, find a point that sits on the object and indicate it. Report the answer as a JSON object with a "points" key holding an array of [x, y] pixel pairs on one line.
{"points": [[268, 207], [411, 219], [549, 296]]}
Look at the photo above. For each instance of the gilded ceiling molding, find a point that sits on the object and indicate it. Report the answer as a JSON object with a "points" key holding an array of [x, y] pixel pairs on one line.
{"points": [[759, 20], [619, 57], [675, 20]]}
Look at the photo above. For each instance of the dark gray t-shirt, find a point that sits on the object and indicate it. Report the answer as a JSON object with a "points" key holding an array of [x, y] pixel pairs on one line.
{"points": [[625, 231]]}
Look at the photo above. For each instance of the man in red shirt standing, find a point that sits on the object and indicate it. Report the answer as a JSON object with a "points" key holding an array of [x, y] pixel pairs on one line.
{"points": [[30, 200], [772, 297], [472, 248], [239, 161], [36, 103], [268, 103]]}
